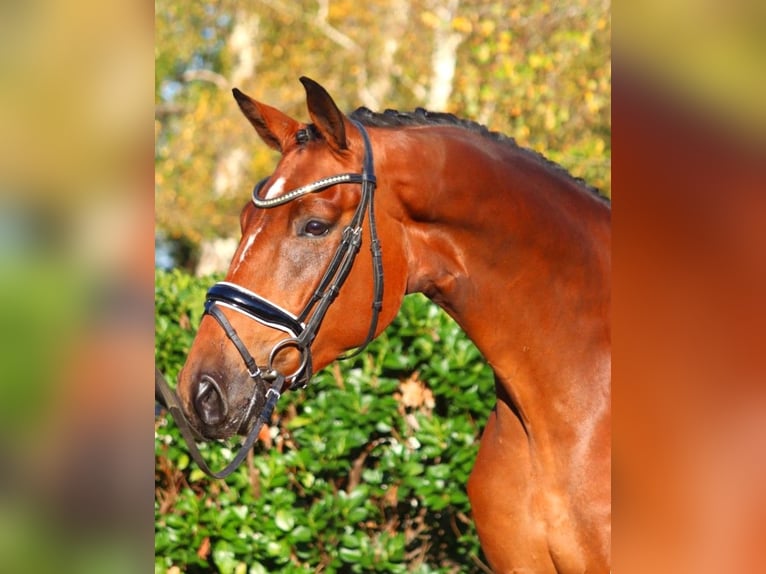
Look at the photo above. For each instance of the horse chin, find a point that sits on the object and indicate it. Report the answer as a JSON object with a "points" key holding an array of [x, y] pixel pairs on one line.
{"points": [[251, 415], [217, 433], [255, 401]]}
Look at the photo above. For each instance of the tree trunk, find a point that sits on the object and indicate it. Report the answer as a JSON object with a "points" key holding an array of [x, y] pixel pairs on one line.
{"points": [[444, 58], [231, 165]]}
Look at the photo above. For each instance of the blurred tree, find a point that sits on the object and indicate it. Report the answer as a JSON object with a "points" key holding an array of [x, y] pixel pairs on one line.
{"points": [[538, 71]]}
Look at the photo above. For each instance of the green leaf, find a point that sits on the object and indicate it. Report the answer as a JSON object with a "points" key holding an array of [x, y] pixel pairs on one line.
{"points": [[350, 555], [357, 514], [298, 422], [302, 534], [284, 520], [223, 557]]}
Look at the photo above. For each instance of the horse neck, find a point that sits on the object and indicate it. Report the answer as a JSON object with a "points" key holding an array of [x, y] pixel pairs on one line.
{"points": [[518, 254]]}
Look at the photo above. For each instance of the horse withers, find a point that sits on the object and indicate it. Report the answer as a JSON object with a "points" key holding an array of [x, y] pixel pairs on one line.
{"points": [[366, 208]]}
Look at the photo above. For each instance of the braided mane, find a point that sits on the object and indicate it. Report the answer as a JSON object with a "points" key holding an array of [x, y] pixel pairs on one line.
{"points": [[422, 117]]}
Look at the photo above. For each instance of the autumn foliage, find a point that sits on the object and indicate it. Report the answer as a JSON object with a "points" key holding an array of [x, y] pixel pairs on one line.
{"points": [[538, 71]]}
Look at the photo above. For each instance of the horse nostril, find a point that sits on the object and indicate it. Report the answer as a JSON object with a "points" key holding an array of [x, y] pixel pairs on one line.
{"points": [[209, 401]]}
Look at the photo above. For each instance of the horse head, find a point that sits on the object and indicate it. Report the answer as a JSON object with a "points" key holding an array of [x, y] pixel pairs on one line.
{"points": [[305, 283]]}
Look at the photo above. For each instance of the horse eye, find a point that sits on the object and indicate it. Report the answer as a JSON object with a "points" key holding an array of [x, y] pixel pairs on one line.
{"points": [[316, 228]]}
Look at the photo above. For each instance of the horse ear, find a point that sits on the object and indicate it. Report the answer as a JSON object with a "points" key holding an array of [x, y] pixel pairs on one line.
{"points": [[327, 118], [274, 127]]}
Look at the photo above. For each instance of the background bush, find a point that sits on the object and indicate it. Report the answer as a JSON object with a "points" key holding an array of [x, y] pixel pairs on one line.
{"points": [[364, 471]]}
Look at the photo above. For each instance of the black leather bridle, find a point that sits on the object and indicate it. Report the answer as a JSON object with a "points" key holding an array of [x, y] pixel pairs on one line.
{"points": [[301, 330]]}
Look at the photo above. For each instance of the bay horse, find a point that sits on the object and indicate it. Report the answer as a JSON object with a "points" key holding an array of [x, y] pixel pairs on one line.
{"points": [[511, 246]]}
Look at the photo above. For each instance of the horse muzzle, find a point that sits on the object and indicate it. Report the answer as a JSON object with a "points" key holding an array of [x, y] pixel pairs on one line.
{"points": [[226, 400], [218, 409], [209, 412]]}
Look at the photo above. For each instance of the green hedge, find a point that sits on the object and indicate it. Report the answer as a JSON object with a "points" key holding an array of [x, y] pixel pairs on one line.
{"points": [[366, 470]]}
